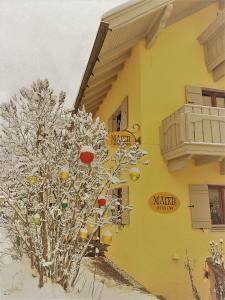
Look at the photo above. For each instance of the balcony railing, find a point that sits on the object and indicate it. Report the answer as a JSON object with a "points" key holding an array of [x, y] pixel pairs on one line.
{"points": [[193, 131]]}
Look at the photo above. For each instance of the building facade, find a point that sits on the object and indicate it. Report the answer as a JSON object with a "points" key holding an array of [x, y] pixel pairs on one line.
{"points": [[159, 71]]}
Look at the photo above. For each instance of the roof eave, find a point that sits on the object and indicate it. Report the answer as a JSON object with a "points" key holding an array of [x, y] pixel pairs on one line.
{"points": [[99, 40]]}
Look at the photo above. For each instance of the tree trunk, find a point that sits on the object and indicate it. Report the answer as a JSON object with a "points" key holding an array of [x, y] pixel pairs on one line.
{"points": [[41, 278]]}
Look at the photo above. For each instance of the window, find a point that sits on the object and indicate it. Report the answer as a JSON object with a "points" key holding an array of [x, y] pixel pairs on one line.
{"points": [[213, 98], [217, 204], [119, 119], [207, 203], [117, 193], [122, 196], [205, 96]]}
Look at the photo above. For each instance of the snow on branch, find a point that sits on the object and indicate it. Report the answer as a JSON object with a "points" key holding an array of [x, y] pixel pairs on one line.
{"points": [[55, 166]]}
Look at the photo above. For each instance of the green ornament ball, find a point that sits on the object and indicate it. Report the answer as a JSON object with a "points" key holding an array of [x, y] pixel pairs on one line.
{"points": [[64, 204], [37, 219]]}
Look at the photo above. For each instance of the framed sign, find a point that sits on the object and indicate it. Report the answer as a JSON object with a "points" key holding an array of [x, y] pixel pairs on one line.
{"points": [[117, 136], [164, 203]]}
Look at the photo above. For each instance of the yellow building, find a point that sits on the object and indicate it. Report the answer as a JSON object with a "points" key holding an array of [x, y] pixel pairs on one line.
{"points": [[157, 68]]}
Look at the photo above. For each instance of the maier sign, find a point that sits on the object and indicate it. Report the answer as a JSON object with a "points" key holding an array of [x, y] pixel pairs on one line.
{"points": [[164, 203], [117, 136]]}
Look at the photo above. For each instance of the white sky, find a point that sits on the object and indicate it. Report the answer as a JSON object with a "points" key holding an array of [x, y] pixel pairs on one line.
{"points": [[47, 39]]}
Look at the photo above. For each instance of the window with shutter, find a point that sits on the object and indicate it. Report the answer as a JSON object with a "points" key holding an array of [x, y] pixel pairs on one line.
{"points": [[205, 96], [207, 206], [122, 196], [119, 119]]}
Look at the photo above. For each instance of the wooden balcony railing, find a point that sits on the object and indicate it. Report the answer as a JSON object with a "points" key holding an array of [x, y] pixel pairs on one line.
{"points": [[217, 280], [193, 131]]}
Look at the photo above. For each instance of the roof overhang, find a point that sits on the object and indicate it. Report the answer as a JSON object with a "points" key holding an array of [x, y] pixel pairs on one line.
{"points": [[119, 31]]}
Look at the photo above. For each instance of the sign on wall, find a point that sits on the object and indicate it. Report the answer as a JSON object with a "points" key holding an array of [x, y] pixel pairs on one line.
{"points": [[126, 136], [164, 203]]}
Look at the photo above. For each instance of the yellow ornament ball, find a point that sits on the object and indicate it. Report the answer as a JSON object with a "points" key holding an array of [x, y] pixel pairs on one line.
{"points": [[134, 174], [64, 175], [91, 228], [32, 179], [107, 238], [83, 233]]}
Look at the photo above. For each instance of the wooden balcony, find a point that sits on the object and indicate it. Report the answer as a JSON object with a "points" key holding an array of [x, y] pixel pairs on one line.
{"points": [[194, 132]]}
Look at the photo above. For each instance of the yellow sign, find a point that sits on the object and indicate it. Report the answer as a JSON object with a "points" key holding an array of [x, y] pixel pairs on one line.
{"points": [[164, 203], [116, 136]]}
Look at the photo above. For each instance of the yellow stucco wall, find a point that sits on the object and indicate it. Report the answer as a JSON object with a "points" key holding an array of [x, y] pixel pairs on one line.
{"points": [[127, 84], [154, 81]]}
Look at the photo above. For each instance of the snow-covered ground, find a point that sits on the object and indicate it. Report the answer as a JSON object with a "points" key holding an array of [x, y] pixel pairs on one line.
{"points": [[17, 282]]}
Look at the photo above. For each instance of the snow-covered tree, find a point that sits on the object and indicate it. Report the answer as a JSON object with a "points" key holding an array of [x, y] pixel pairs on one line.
{"points": [[55, 166], [215, 270]]}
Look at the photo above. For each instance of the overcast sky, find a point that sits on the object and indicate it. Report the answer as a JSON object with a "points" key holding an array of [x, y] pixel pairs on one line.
{"points": [[47, 39]]}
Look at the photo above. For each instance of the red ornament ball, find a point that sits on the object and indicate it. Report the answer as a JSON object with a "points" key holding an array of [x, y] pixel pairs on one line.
{"points": [[87, 155], [101, 202]]}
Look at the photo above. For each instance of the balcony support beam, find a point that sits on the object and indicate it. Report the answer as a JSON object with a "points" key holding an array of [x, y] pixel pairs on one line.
{"points": [[205, 159], [178, 164]]}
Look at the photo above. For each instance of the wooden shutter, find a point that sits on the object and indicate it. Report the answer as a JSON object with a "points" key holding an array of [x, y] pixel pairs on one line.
{"points": [[124, 114], [220, 102], [110, 124], [114, 122], [113, 193], [194, 95], [219, 71], [125, 219], [199, 202]]}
